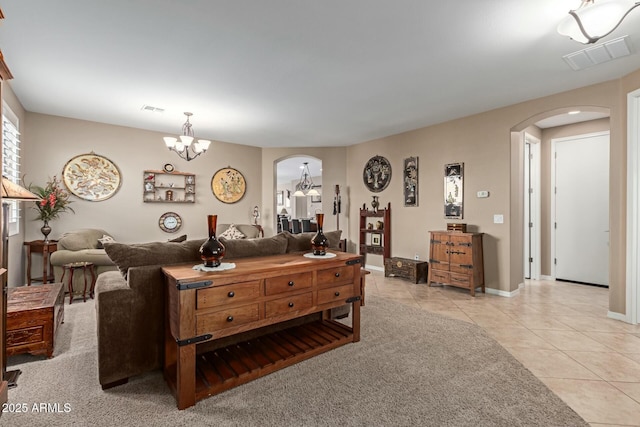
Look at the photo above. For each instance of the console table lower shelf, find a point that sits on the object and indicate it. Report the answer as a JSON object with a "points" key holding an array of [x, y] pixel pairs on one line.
{"points": [[236, 364]]}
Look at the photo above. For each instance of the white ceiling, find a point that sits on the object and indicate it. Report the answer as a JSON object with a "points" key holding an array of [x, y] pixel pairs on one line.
{"points": [[284, 73]]}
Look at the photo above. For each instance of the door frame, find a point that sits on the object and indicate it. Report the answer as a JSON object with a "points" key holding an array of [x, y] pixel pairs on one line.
{"points": [[633, 208], [534, 206], [552, 214]]}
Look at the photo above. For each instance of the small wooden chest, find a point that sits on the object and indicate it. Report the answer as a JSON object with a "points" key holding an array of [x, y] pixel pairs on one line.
{"points": [[33, 316], [413, 270]]}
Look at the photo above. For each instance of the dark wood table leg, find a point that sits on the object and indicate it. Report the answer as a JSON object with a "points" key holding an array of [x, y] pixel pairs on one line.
{"points": [[93, 282], [28, 265], [185, 376], [70, 284]]}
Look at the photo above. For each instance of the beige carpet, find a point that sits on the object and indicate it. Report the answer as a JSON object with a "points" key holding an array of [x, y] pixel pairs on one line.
{"points": [[412, 368]]}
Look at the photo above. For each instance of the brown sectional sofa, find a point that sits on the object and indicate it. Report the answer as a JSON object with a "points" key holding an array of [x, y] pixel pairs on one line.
{"points": [[130, 302]]}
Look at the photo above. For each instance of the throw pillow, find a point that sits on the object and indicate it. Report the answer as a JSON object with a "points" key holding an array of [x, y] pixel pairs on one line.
{"points": [[104, 239], [232, 233], [301, 242], [125, 256], [240, 248], [179, 239]]}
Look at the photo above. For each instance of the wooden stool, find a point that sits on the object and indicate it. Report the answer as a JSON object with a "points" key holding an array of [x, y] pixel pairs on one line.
{"points": [[363, 273], [71, 268]]}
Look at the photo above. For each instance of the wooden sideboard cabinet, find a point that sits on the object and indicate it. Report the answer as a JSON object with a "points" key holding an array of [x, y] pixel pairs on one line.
{"points": [[456, 259], [229, 327]]}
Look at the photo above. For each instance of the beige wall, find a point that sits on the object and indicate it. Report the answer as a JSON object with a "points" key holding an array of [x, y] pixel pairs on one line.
{"points": [[488, 143], [51, 141], [493, 162]]}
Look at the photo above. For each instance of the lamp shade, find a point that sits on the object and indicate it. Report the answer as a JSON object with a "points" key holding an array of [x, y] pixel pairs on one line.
{"points": [[597, 19], [13, 191]]}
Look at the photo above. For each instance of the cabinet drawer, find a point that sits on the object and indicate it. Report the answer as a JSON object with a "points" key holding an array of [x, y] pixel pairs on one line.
{"points": [[227, 318], [289, 304], [335, 275], [25, 336], [439, 276], [276, 285], [461, 280], [337, 293], [229, 294]]}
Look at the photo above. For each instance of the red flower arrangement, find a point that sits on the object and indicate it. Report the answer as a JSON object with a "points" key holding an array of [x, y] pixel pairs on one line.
{"points": [[54, 200]]}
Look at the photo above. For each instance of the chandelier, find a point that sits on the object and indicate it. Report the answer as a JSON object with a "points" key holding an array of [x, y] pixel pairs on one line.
{"points": [[186, 147], [590, 22], [305, 184]]}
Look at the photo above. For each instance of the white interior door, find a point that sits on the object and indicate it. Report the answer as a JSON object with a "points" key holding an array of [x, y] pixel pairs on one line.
{"points": [[582, 209], [527, 211]]}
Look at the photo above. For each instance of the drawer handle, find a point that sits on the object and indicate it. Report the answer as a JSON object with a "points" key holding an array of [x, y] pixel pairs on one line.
{"points": [[230, 319], [231, 294], [337, 274], [290, 304], [337, 294], [291, 283]]}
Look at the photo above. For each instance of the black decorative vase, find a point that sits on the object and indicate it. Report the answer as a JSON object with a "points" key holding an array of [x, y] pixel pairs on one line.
{"points": [[375, 203], [319, 242], [212, 251], [45, 230]]}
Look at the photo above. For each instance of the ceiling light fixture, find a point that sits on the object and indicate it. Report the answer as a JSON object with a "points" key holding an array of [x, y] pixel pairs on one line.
{"points": [[305, 184], [590, 22], [186, 147]]}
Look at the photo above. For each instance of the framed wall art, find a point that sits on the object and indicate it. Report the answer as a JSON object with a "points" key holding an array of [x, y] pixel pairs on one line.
{"points": [[377, 174], [91, 177], [410, 181], [228, 185], [453, 190], [376, 239]]}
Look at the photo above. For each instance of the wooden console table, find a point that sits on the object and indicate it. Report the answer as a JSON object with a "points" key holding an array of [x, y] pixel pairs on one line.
{"points": [[46, 249], [264, 315]]}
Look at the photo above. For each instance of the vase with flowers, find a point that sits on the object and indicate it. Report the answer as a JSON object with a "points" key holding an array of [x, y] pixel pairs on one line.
{"points": [[54, 201]]}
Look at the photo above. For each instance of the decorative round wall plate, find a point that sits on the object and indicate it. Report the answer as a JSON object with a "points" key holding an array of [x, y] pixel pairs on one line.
{"points": [[377, 174], [228, 185], [170, 222], [91, 177], [168, 168]]}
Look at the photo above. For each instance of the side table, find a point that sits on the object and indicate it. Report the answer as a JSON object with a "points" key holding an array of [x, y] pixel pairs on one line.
{"points": [[84, 266], [46, 249]]}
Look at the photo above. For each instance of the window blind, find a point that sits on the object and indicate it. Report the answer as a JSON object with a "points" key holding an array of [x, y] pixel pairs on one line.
{"points": [[11, 162]]}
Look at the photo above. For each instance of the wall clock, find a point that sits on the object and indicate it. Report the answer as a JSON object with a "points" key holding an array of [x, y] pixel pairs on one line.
{"points": [[377, 174], [228, 185], [91, 177], [170, 222]]}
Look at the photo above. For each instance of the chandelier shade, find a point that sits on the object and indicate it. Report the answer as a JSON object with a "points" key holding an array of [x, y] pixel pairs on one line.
{"points": [[185, 146], [305, 186], [592, 21]]}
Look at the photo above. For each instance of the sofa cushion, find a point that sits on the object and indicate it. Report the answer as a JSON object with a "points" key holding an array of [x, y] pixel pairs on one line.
{"points": [[86, 238], [179, 239], [300, 242], [232, 233], [154, 253], [240, 248]]}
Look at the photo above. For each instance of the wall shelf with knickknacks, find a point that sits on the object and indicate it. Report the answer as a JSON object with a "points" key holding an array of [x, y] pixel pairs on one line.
{"points": [[160, 186]]}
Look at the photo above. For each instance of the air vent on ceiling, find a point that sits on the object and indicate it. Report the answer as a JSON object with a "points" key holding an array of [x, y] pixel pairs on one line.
{"points": [[152, 109], [598, 54]]}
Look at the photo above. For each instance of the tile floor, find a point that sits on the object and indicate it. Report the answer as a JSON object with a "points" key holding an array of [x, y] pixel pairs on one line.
{"points": [[559, 331]]}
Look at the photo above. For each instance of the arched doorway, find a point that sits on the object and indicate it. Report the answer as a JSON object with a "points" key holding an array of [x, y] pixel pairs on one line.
{"points": [[545, 127], [292, 206]]}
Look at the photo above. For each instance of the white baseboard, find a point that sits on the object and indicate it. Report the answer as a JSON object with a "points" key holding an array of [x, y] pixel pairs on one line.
{"points": [[543, 277], [374, 267], [502, 293], [618, 316]]}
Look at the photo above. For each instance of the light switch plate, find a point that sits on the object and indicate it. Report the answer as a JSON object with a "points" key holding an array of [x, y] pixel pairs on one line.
{"points": [[483, 194], [498, 219]]}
